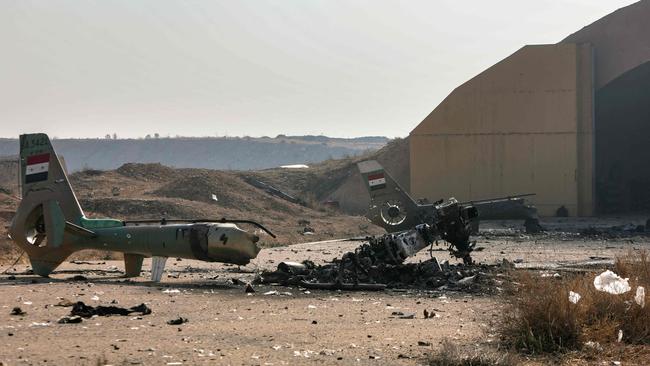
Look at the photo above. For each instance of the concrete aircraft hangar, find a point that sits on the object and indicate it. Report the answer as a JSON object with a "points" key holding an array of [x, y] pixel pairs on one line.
{"points": [[568, 121]]}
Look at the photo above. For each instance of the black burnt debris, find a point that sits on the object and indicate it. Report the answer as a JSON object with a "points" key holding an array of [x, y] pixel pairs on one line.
{"points": [[87, 311], [177, 321], [616, 232], [17, 311], [377, 265]]}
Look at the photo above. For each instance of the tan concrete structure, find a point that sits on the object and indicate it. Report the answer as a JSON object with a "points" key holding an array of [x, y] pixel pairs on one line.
{"points": [[528, 124], [518, 127]]}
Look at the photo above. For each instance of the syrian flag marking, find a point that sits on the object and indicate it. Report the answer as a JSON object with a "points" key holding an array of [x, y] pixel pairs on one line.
{"points": [[376, 180], [37, 168]]}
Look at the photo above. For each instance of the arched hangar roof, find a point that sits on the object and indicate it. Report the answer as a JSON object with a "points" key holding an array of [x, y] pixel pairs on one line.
{"points": [[621, 41]]}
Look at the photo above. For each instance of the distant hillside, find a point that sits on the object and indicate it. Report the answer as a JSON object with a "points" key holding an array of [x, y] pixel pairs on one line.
{"points": [[339, 180], [223, 153]]}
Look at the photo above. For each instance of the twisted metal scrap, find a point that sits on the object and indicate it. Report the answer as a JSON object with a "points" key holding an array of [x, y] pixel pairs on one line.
{"points": [[375, 265]]}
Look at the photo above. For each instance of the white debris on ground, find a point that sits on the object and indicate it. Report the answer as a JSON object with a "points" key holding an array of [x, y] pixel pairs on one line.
{"points": [[574, 297], [640, 296], [294, 166], [611, 283]]}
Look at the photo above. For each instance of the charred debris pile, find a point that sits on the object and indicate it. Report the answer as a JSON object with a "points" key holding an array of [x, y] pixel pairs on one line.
{"points": [[379, 264]]}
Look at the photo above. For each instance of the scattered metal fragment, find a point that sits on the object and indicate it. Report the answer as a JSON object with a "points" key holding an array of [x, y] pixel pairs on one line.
{"points": [[249, 288], [177, 321], [86, 262], [429, 315], [378, 265], [616, 232], [237, 281], [73, 319], [273, 191], [17, 311], [466, 280], [294, 268], [86, 311]]}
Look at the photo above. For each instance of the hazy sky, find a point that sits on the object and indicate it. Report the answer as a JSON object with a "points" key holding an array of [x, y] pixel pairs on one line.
{"points": [[205, 68]]}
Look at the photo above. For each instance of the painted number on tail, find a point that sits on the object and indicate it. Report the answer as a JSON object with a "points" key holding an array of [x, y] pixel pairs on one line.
{"points": [[37, 168], [376, 180]]}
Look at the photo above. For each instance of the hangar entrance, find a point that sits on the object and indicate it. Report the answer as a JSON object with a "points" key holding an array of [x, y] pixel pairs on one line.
{"points": [[622, 141]]}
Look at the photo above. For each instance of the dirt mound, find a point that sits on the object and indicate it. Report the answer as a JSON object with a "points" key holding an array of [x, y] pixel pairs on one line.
{"points": [[230, 191], [9, 175], [196, 187], [139, 208], [8, 204], [128, 193], [147, 172], [339, 180]]}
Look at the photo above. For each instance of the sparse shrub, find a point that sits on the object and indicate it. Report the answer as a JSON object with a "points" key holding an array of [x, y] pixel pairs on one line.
{"points": [[634, 265], [91, 172], [541, 319], [452, 355]]}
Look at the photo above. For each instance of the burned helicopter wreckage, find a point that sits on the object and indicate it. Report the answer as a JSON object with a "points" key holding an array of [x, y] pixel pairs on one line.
{"points": [[374, 265], [411, 227], [417, 225], [394, 210], [379, 264]]}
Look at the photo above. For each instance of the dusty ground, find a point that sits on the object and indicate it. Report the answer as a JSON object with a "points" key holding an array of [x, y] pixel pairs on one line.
{"points": [[287, 326]]}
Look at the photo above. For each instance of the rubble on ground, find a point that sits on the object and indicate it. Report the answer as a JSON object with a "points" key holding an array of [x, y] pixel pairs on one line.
{"points": [[177, 321], [17, 311], [361, 274], [617, 231], [72, 319], [375, 266], [591, 232], [87, 311]]}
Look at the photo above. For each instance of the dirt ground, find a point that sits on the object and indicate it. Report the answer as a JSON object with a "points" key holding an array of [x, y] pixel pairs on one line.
{"points": [[275, 325]]}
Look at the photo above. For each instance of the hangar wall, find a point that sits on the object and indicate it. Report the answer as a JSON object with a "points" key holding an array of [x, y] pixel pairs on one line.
{"points": [[525, 125]]}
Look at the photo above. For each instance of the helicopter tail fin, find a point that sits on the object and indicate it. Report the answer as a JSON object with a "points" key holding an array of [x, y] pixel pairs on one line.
{"points": [[379, 183], [43, 175], [48, 206], [390, 206]]}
